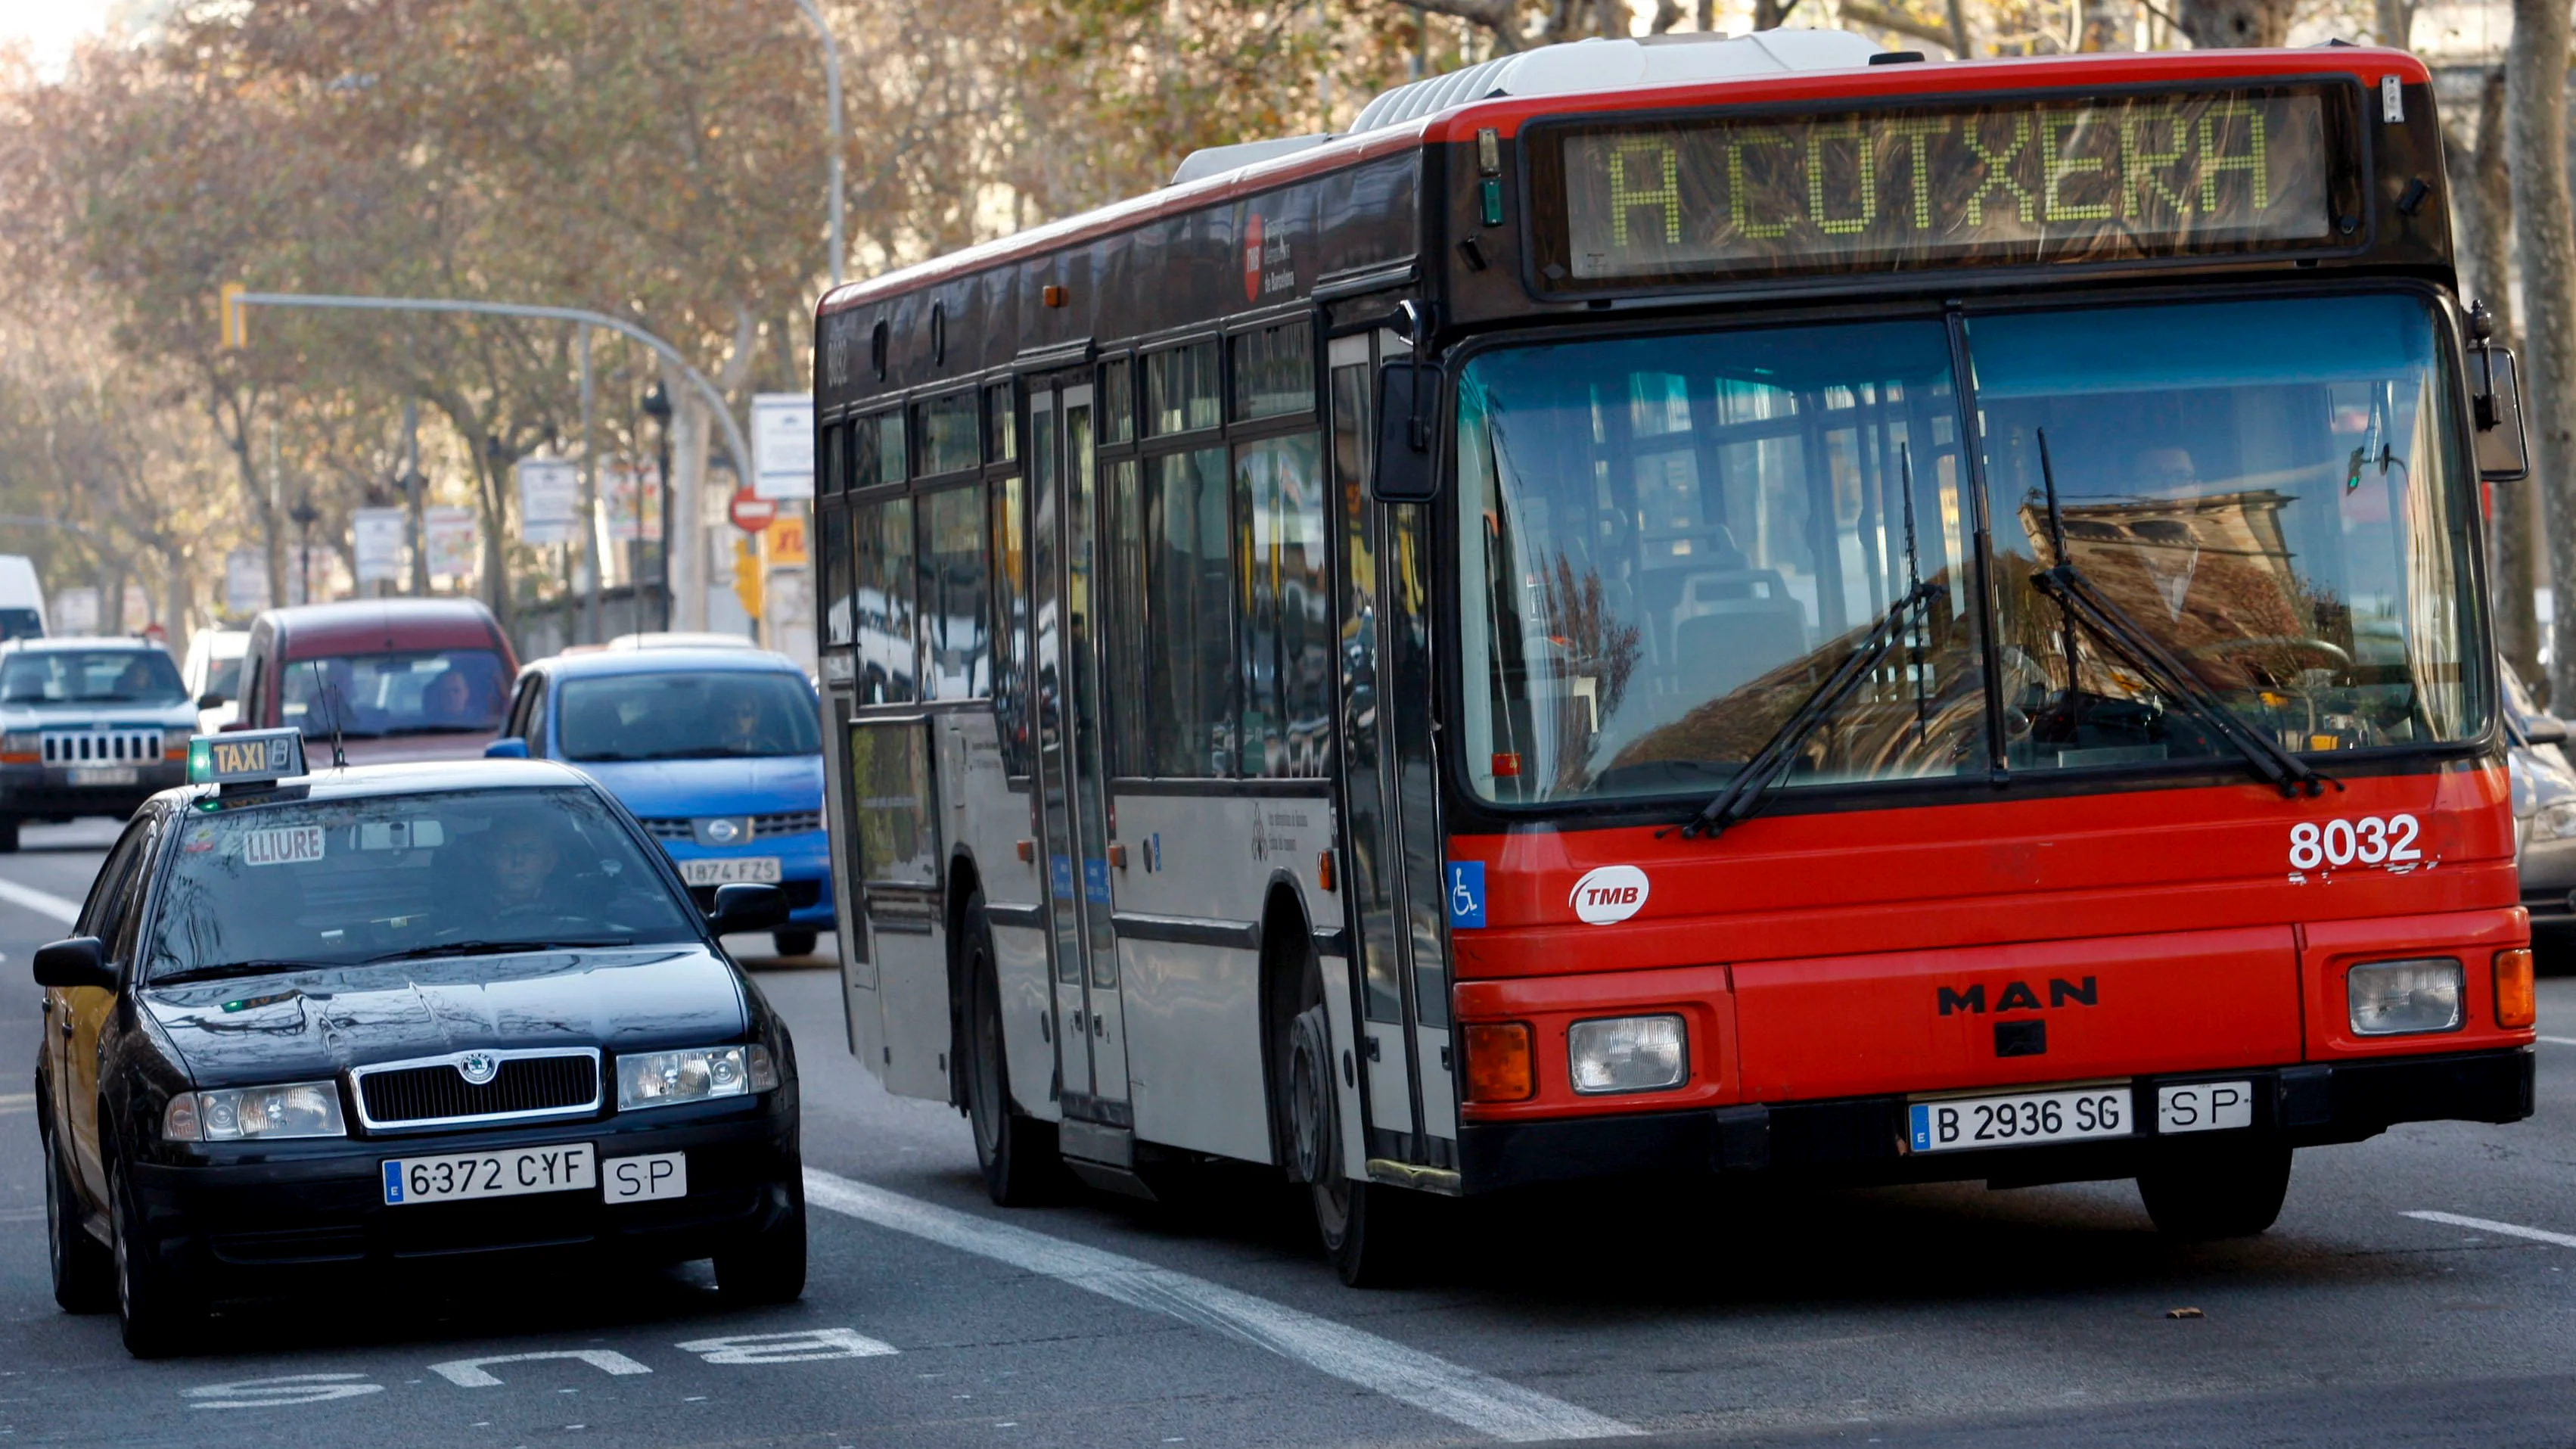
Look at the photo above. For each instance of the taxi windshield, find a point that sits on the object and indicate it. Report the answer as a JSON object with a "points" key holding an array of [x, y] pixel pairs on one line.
{"points": [[346, 882], [91, 676], [429, 691]]}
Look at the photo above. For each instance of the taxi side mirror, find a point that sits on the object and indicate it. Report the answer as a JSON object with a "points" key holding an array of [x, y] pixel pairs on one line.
{"points": [[742, 907], [80, 961], [512, 748]]}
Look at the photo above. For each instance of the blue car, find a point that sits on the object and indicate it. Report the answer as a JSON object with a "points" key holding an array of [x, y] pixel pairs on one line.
{"points": [[718, 751]]}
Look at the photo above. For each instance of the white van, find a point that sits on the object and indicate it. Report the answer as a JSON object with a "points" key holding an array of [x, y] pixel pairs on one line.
{"points": [[214, 670], [22, 599]]}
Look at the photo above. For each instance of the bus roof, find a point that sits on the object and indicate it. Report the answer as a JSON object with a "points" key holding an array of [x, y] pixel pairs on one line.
{"points": [[1597, 89]]}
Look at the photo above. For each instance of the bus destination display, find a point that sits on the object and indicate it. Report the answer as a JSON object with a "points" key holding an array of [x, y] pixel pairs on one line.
{"points": [[2005, 182]]}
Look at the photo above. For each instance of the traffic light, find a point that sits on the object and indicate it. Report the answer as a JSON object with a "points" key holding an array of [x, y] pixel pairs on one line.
{"points": [[235, 318], [746, 575]]}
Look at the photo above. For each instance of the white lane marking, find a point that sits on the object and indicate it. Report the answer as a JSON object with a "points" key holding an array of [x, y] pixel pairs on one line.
{"points": [[803, 1346], [2560, 1040], [17, 1102], [2489, 1225], [274, 1393], [43, 903], [1429, 1383], [467, 1373]]}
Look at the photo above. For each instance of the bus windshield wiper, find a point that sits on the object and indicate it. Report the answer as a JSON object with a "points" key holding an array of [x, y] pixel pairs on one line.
{"points": [[2085, 606], [1753, 784]]}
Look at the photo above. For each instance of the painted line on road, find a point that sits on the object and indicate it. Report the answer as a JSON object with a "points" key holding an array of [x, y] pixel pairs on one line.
{"points": [[2560, 1040], [1432, 1384], [43, 903], [17, 1102], [2489, 1225]]}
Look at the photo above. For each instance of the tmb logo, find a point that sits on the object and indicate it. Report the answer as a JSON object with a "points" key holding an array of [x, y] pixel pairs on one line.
{"points": [[1610, 894], [2018, 996]]}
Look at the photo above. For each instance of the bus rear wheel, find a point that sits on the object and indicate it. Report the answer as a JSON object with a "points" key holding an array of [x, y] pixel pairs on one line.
{"points": [[1016, 1152], [2205, 1191]]}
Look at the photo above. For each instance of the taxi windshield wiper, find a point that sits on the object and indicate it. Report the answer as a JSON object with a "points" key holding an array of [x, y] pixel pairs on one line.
{"points": [[1770, 765], [231, 968], [495, 948], [2085, 606]]}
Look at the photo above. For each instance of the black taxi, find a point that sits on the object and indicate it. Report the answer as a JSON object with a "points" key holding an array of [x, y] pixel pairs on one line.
{"points": [[313, 1024]]}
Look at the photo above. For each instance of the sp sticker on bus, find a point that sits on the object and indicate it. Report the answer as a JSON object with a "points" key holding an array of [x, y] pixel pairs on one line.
{"points": [[1609, 894]]}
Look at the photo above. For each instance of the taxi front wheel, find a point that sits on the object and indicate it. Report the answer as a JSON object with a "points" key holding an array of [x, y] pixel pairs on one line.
{"points": [[770, 1266], [84, 1270], [156, 1315]]}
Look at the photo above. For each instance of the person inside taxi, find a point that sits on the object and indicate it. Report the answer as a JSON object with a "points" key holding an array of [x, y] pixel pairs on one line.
{"points": [[521, 861]]}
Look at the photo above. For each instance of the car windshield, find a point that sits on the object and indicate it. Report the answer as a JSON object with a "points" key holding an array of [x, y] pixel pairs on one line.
{"points": [[343, 882], [223, 676], [701, 715], [1668, 542], [91, 676], [429, 691]]}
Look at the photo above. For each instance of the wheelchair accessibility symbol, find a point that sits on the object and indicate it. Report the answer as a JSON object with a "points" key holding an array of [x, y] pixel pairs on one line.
{"points": [[1466, 894]]}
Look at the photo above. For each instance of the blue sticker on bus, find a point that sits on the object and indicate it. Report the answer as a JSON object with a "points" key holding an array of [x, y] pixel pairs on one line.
{"points": [[1466, 894], [1920, 1127], [1060, 873], [1095, 879]]}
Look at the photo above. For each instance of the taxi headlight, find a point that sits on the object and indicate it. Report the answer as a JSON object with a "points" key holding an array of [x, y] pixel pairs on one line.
{"points": [[2555, 822], [297, 1109], [662, 1079], [2393, 998], [1627, 1054]]}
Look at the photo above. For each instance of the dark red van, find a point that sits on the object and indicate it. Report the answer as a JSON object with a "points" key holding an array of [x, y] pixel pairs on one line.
{"points": [[404, 679]]}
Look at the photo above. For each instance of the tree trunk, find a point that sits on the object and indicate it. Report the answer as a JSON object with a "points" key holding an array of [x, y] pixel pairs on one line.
{"points": [[2217, 24], [2396, 23], [2545, 244], [2483, 202], [2109, 25]]}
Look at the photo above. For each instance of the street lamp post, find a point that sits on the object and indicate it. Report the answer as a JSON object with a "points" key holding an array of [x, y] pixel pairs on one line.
{"points": [[305, 516], [657, 406], [832, 91]]}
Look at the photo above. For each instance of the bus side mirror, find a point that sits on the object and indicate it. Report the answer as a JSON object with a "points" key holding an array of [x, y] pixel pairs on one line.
{"points": [[1408, 400], [2503, 456]]}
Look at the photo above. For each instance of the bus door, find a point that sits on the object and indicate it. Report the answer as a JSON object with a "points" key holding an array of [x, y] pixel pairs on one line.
{"points": [[1390, 797], [1064, 512]]}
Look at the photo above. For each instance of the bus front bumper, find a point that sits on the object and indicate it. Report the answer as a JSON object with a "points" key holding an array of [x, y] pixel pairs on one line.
{"points": [[1862, 1140]]}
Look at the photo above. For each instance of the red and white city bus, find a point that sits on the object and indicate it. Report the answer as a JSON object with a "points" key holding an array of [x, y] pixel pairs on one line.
{"points": [[1692, 607]]}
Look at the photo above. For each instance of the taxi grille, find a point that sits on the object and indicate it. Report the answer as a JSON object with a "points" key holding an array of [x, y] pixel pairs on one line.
{"points": [[426, 1092], [101, 747]]}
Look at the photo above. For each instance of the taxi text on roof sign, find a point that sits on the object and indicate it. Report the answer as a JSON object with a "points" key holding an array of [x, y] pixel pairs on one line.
{"points": [[246, 756]]}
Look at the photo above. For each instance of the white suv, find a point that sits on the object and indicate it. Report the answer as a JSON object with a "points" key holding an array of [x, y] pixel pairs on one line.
{"points": [[87, 727]]}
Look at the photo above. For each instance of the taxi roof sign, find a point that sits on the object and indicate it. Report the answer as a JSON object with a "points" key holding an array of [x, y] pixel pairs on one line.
{"points": [[246, 757]]}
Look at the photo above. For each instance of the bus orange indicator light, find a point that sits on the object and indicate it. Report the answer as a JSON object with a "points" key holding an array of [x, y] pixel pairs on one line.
{"points": [[1498, 1062], [2515, 1003], [1051, 295], [1324, 869]]}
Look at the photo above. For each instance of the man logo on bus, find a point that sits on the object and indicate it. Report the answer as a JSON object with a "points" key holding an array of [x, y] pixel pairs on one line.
{"points": [[2018, 996], [1610, 894]]}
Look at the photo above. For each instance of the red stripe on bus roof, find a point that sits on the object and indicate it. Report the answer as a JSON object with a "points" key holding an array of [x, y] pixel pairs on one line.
{"points": [[1506, 115]]}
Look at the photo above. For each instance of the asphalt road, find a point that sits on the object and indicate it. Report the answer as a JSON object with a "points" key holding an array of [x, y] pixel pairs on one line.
{"points": [[1946, 1316]]}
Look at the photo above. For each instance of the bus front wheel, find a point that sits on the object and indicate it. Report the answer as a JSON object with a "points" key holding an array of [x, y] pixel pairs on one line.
{"points": [[1016, 1152], [2202, 1191], [1366, 1227]]}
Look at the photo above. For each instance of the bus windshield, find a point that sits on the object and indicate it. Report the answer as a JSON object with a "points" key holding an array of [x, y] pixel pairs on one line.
{"points": [[1668, 542]]}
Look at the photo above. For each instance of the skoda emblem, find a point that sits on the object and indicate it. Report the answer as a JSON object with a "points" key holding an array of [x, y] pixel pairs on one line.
{"points": [[723, 832], [478, 1067]]}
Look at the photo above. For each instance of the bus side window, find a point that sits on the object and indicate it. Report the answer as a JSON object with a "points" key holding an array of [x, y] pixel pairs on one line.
{"points": [[1123, 585], [955, 661], [1287, 626], [1363, 763], [884, 537], [1189, 587], [839, 629], [1011, 622]]}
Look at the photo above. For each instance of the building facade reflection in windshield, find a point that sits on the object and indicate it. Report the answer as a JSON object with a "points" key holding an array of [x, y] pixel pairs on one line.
{"points": [[1668, 542], [2269, 489]]}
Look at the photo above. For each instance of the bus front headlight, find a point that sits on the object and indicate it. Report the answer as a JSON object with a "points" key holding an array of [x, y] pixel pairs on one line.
{"points": [[1628, 1054], [2396, 998]]}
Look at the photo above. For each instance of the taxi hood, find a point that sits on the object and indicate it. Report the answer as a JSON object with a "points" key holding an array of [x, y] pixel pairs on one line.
{"points": [[301, 1024]]}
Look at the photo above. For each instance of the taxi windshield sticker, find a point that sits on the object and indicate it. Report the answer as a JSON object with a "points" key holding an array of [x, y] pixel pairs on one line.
{"points": [[292, 845]]}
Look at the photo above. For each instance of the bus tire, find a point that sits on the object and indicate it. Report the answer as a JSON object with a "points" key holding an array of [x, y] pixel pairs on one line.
{"points": [[2206, 1191], [1017, 1152], [1365, 1226]]}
